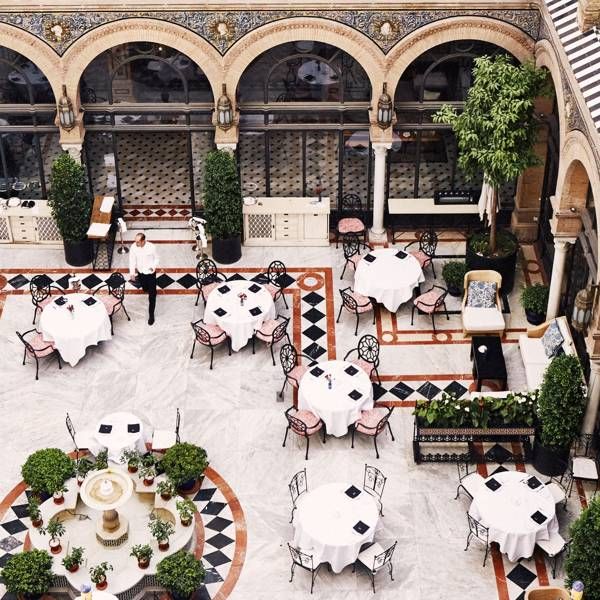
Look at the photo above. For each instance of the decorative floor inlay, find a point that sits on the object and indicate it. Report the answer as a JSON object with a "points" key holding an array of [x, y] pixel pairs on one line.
{"points": [[150, 213]]}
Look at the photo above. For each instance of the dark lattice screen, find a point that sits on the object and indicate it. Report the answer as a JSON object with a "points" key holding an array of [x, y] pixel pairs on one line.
{"points": [[286, 163], [322, 155], [202, 143], [251, 149]]}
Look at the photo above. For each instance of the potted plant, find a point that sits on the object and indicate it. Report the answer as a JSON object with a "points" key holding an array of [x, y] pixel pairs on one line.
{"points": [[496, 133], [181, 574], [186, 509], [166, 489], [148, 473], [161, 530], [70, 204], [560, 411], [55, 530], [28, 574], [132, 458], [45, 470], [34, 512], [184, 464], [534, 300], [453, 273], [223, 206], [82, 467], [143, 553], [73, 560], [58, 495], [101, 461], [98, 574]]}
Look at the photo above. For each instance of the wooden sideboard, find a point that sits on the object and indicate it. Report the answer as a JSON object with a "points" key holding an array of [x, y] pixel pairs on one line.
{"points": [[287, 222], [29, 225]]}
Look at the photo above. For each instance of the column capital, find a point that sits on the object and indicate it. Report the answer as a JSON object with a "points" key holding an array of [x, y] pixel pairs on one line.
{"points": [[229, 147], [561, 244], [381, 147], [74, 151]]}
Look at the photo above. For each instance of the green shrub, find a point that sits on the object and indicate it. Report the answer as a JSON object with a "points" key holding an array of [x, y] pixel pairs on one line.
{"points": [[47, 470], [534, 298], [28, 573], [184, 462], [453, 273], [181, 574]]}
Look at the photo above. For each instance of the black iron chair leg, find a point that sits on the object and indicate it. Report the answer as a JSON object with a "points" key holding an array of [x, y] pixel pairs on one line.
{"points": [[212, 353], [35, 314], [193, 348], [353, 431], [324, 433], [253, 337], [376, 449], [58, 359], [198, 296], [282, 388], [285, 437], [287, 336], [272, 355], [37, 368], [341, 277], [390, 429], [372, 575], [126, 313], [339, 314], [377, 373], [412, 315], [307, 445], [229, 345], [433, 268], [111, 324], [373, 314], [24, 355], [433, 322], [357, 320]]}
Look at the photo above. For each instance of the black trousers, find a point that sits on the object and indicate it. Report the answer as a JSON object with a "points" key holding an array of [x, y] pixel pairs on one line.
{"points": [[148, 283]]}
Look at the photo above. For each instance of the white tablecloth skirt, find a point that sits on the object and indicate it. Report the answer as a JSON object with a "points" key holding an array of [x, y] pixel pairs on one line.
{"points": [[120, 438]]}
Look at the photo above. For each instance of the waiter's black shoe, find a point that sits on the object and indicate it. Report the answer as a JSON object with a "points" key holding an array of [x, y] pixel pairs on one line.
{"points": [[151, 321]]}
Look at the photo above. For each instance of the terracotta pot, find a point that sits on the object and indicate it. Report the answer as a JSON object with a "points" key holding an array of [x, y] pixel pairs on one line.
{"points": [[143, 564], [38, 523], [165, 497], [55, 547], [186, 523], [132, 469], [80, 479], [148, 482], [73, 569], [163, 545], [58, 497], [102, 585]]}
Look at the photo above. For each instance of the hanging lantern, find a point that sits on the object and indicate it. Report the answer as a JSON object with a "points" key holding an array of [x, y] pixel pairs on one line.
{"points": [[66, 116], [384, 109], [224, 111], [582, 309]]}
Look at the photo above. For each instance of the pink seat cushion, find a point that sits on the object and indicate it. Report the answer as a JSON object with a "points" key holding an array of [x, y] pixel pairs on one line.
{"points": [[110, 302], [355, 259], [363, 303], [45, 302], [367, 367], [265, 333], [369, 419], [216, 333], [350, 225], [426, 302], [40, 346], [296, 374], [312, 422], [272, 289], [421, 257], [208, 288]]}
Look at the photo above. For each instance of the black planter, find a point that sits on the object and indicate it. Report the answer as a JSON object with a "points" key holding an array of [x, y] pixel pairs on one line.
{"points": [[534, 318], [188, 485], [454, 290], [505, 265], [78, 254], [227, 251], [549, 461]]}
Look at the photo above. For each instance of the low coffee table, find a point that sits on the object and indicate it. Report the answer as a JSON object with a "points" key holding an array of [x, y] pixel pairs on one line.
{"points": [[489, 364]]}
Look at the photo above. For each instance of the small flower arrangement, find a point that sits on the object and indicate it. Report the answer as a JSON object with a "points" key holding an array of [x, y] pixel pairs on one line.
{"points": [[242, 298], [329, 378], [71, 309]]}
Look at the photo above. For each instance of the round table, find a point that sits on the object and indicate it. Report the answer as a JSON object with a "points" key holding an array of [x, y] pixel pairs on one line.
{"points": [[238, 321], [388, 279], [73, 333], [335, 406], [119, 437], [507, 513], [324, 524]]}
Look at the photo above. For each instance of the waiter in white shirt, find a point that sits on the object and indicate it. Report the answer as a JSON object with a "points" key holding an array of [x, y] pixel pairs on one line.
{"points": [[143, 262]]}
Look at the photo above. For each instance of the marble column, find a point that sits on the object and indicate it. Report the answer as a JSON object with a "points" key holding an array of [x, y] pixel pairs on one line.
{"points": [[380, 149], [591, 411], [561, 248]]}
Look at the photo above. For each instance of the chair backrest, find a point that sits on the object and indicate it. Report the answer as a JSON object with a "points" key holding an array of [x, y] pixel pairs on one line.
{"points": [[30, 349], [464, 468], [379, 560], [298, 485], [374, 480], [368, 349], [351, 205], [300, 558], [477, 529], [351, 245], [583, 445], [206, 272], [71, 429], [288, 357], [482, 275], [441, 299], [428, 242], [296, 424], [383, 421], [177, 424], [39, 288], [281, 329], [116, 285], [275, 271], [201, 334], [348, 300]]}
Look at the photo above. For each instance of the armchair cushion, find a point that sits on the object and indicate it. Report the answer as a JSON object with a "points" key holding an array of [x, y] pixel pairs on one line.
{"points": [[482, 319], [552, 339], [481, 294]]}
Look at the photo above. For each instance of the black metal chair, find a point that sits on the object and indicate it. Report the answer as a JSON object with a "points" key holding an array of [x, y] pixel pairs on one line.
{"points": [[304, 561], [373, 422], [430, 302], [210, 336], [428, 242], [555, 548], [82, 440], [271, 332], [37, 348], [298, 486], [356, 304], [352, 246], [208, 278], [480, 533], [560, 485], [303, 423], [374, 558], [113, 301], [584, 464], [468, 480], [373, 483], [368, 355], [41, 293], [352, 218], [292, 369], [163, 439], [275, 282]]}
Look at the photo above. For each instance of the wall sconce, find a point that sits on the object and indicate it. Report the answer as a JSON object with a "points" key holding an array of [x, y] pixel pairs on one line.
{"points": [[583, 308], [224, 110], [66, 115], [384, 109]]}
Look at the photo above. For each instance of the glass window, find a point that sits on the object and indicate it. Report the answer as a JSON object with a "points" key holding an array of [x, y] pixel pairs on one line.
{"points": [[100, 161], [402, 164], [285, 163], [21, 81], [252, 163], [355, 167], [322, 158]]}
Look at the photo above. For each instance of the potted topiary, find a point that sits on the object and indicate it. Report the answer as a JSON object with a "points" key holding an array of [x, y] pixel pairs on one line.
{"points": [[186, 509], [55, 530], [183, 464], [45, 470], [73, 560], [453, 273], [223, 206], [101, 461], [166, 489], [148, 473], [34, 512], [143, 553], [161, 530], [58, 494], [496, 133], [28, 574], [82, 467], [70, 204], [560, 411], [181, 574], [534, 300], [132, 458], [98, 574]]}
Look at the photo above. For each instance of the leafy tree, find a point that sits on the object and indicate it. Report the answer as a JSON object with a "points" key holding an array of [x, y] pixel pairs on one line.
{"points": [[28, 573], [496, 131], [181, 574]]}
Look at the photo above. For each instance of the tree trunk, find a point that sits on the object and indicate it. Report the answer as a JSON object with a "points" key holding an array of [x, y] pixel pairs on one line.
{"points": [[492, 217]]}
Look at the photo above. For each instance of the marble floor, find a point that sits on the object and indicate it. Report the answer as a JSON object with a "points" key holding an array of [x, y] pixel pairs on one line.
{"points": [[233, 412]]}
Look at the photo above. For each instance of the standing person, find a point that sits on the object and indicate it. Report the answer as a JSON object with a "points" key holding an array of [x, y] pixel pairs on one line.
{"points": [[143, 262]]}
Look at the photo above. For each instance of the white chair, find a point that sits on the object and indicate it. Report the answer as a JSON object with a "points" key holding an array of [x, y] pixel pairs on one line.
{"points": [[553, 547], [469, 481], [478, 321], [374, 558], [583, 465], [560, 487], [83, 440], [163, 439]]}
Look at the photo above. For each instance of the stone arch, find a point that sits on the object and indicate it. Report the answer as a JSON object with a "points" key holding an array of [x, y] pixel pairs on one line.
{"points": [[484, 29], [36, 51], [90, 45], [252, 45]]}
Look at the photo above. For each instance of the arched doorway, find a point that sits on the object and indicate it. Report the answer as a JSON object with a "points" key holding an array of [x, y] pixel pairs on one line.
{"points": [[304, 123], [148, 125], [29, 139]]}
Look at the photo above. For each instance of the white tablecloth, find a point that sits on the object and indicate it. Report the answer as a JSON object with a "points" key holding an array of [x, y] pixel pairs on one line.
{"points": [[507, 513], [337, 409], [72, 334], [388, 279], [324, 521], [238, 322], [119, 438]]}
